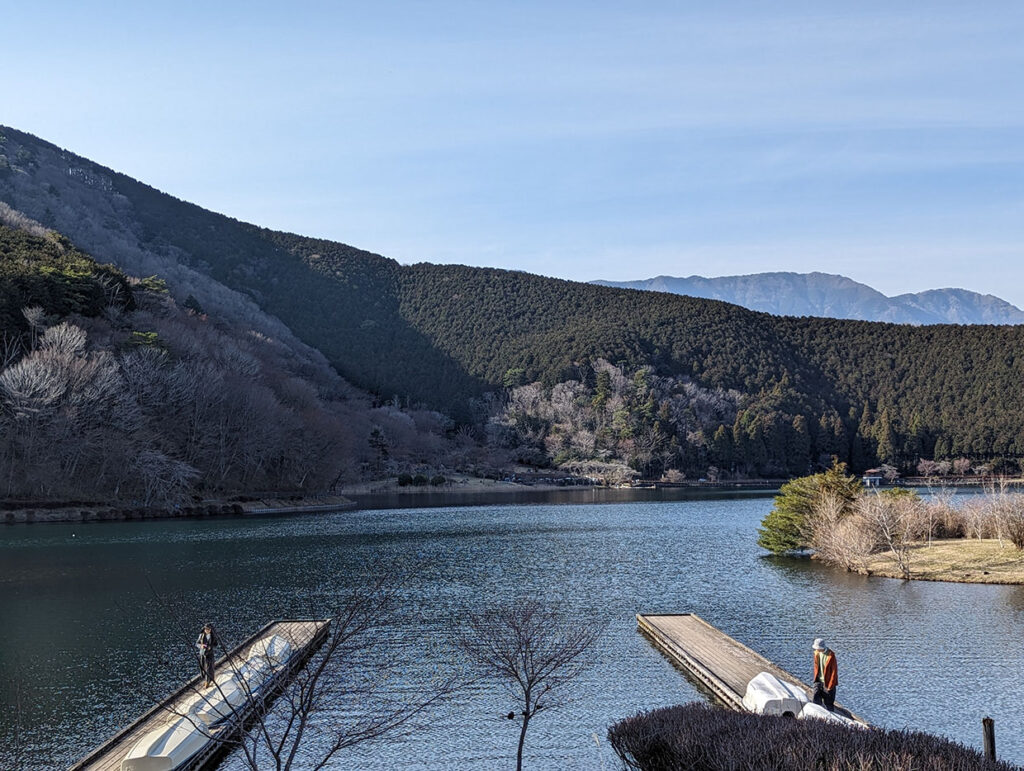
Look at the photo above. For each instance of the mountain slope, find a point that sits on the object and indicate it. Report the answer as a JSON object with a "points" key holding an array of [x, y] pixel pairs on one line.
{"points": [[342, 300], [110, 392], [960, 306], [448, 336], [837, 297]]}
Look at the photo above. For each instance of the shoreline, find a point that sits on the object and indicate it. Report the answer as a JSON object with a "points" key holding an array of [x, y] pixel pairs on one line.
{"points": [[370, 496], [89, 513], [473, 491]]}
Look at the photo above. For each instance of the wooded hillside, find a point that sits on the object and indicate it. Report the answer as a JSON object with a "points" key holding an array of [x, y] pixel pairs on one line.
{"points": [[110, 392], [447, 336]]}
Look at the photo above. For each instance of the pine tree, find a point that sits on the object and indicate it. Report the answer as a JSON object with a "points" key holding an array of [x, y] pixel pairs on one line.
{"points": [[721, 448], [885, 438], [785, 528], [798, 447]]}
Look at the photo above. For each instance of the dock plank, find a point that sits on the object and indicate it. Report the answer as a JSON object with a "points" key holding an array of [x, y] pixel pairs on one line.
{"points": [[305, 636], [722, 664]]}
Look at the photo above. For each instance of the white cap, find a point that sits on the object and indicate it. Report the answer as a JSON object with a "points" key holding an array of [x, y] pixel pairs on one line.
{"points": [[819, 644]]}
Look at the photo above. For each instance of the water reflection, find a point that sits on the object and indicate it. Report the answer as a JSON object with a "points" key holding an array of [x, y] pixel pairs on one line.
{"points": [[924, 655], [1015, 602]]}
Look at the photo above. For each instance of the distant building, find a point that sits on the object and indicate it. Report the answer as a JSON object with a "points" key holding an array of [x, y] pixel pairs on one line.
{"points": [[872, 477]]}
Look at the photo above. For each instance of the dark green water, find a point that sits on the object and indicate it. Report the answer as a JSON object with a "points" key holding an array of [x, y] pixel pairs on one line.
{"points": [[95, 620]]}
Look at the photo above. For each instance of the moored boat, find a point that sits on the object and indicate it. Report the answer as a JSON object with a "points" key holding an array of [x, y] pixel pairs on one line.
{"points": [[199, 721]]}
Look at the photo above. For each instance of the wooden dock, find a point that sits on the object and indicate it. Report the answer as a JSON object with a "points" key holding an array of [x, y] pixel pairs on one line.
{"points": [[720, 664], [323, 503], [305, 635]]}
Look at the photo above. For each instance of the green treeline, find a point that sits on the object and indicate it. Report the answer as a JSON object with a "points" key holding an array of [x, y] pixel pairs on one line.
{"points": [[48, 272], [866, 393], [807, 389]]}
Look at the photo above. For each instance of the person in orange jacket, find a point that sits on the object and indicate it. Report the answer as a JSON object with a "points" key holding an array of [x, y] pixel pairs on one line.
{"points": [[826, 675]]}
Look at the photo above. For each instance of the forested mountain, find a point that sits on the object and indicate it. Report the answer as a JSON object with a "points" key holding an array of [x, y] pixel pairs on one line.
{"points": [[111, 392], [655, 380], [836, 297]]}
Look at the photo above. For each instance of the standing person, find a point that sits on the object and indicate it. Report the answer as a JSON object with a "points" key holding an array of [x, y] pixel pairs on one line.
{"points": [[206, 642], [826, 675]]}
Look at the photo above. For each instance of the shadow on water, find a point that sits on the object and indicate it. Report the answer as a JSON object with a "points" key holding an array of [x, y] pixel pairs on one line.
{"points": [[549, 496], [698, 685], [805, 569], [1015, 600]]}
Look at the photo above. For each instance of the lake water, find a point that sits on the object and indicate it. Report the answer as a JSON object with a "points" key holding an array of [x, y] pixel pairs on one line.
{"points": [[95, 621]]}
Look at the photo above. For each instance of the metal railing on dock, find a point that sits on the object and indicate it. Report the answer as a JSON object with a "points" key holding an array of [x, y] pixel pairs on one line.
{"points": [[305, 636], [717, 662]]}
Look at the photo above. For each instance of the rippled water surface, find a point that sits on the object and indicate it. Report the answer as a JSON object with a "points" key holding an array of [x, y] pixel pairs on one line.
{"points": [[95, 620]]}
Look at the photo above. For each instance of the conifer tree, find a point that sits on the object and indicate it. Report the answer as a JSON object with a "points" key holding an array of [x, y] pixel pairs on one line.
{"points": [[785, 528]]}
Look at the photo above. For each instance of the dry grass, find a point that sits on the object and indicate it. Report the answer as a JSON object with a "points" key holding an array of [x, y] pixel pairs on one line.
{"points": [[964, 560]]}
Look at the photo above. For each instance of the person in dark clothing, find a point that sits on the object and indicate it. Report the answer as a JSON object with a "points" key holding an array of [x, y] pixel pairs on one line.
{"points": [[206, 642], [826, 675]]}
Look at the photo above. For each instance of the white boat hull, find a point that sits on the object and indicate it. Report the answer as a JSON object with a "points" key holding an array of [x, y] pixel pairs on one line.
{"points": [[175, 744]]}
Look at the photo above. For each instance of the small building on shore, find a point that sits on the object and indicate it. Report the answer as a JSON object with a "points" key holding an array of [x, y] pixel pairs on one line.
{"points": [[873, 477]]}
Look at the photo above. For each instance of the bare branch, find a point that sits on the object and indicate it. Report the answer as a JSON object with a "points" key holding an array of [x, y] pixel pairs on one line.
{"points": [[533, 650]]}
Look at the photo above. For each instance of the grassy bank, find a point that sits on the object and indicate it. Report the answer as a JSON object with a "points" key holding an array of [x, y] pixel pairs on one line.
{"points": [[964, 560]]}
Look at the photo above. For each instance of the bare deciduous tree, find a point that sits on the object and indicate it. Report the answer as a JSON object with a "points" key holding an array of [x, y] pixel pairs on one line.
{"points": [[936, 512], [894, 521], [838, 535], [1001, 513], [11, 348], [890, 473], [533, 650], [36, 318], [324, 708]]}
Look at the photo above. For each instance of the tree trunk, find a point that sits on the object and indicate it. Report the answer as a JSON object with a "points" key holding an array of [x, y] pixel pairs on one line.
{"points": [[522, 740]]}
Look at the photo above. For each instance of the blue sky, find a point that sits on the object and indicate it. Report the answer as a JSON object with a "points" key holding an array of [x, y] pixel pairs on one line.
{"points": [[575, 139]]}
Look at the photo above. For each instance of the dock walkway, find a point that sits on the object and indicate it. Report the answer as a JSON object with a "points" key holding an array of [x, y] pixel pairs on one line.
{"points": [[323, 503], [721, 664], [306, 636]]}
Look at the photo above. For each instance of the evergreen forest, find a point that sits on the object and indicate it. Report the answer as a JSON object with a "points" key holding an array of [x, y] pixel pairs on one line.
{"points": [[553, 372]]}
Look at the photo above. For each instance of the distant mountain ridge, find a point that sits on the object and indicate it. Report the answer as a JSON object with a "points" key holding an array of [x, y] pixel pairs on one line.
{"points": [[838, 297]]}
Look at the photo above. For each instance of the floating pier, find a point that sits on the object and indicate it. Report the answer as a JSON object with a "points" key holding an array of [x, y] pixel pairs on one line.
{"points": [[305, 636], [322, 503], [722, 665]]}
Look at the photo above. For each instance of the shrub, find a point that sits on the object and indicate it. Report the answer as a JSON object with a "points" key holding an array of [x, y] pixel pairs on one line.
{"points": [[437, 480], [531, 456], [786, 527], [1015, 530], [153, 284], [404, 480], [192, 304], [420, 480], [1010, 509], [696, 737], [149, 339]]}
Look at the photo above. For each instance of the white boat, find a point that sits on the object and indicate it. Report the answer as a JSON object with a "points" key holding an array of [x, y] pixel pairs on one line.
{"points": [[167, 748], [197, 720], [768, 695], [812, 711]]}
